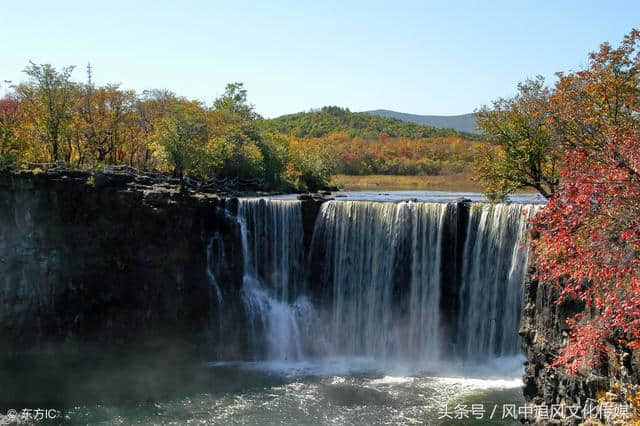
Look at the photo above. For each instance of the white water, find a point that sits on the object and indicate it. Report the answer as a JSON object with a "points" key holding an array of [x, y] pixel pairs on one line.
{"points": [[272, 254], [380, 281], [495, 258], [365, 245], [215, 250]]}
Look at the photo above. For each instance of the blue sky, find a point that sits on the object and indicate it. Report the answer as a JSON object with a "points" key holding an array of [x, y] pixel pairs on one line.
{"points": [[421, 57]]}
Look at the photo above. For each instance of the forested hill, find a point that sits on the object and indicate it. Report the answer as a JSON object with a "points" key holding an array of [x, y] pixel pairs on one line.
{"points": [[357, 124], [462, 123]]}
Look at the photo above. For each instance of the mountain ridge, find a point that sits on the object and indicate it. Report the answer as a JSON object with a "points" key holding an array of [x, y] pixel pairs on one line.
{"points": [[462, 123], [328, 119]]}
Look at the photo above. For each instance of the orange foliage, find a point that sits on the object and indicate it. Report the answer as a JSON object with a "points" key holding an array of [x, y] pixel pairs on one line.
{"points": [[387, 155]]}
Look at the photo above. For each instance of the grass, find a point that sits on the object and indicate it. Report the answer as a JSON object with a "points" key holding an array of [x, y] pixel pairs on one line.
{"points": [[462, 182]]}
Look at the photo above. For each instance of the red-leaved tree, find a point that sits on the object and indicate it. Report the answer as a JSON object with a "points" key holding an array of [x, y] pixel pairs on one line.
{"points": [[589, 246], [588, 242], [9, 115]]}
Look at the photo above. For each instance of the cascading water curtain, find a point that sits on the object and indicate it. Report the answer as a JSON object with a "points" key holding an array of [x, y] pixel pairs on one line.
{"points": [[382, 270], [272, 249], [378, 286], [274, 237], [494, 263]]}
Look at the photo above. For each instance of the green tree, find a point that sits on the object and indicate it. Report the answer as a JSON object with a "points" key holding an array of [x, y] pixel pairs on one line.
{"points": [[524, 154], [234, 101], [239, 156], [275, 154], [182, 134], [245, 152]]}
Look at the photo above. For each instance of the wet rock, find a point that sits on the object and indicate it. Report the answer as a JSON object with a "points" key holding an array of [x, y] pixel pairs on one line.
{"points": [[462, 200]]}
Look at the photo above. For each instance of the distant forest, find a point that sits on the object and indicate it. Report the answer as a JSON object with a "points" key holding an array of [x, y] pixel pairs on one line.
{"points": [[50, 118], [363, 144]]}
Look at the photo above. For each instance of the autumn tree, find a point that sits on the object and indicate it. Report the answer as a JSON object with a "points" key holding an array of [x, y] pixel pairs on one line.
{"points": [[103, 112], [148, 112], [312, 162], [51, 118], [9, 115], [525, 154], [589, 232], [47, 99], [593, 105]]}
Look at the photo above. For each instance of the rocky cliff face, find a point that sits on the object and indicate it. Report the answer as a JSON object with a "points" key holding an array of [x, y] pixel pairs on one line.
{"points": [[544, 331], [105, 261]]}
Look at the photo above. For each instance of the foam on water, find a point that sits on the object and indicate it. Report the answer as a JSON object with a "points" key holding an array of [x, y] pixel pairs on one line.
{"points": [[260, 398]]}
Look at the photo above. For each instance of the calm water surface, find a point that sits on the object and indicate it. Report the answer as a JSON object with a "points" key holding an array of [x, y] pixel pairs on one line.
{"points": [[431, 196]]}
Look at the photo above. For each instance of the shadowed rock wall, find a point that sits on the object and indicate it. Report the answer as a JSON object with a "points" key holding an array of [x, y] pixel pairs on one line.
{"points": [[105, 262]]}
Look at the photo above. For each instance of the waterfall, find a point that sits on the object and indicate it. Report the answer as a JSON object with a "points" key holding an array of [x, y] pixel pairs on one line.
{"points": [[272, 253], [373, 253], [382, 280], [494, 266], [215, 250]]}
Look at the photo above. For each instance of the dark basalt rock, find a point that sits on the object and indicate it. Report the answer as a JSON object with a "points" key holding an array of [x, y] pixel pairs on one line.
{"points": [[544, 332], [114, 180], [310, 209], [108, 263], [453, 239], [462, 200]]}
